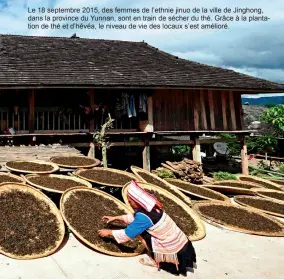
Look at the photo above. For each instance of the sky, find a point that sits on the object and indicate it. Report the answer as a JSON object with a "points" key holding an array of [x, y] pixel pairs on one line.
{"points": [[251, 48]]}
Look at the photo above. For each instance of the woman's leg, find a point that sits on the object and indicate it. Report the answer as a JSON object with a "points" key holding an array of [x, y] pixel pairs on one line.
{"points": [[146, 241]]}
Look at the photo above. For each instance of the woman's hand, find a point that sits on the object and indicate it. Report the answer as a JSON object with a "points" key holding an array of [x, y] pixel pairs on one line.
{"points": [[108, 219], [104, 232]]}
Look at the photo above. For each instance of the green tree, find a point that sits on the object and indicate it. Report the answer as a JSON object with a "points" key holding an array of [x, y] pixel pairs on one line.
{"points": [[275, 117]]}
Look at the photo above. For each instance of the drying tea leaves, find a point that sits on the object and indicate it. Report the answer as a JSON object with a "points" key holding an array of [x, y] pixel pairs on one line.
{"points": [[26, 224], [239, 218], [74, 161], [84, 211], [6, 178], [198, 191], [59, 184], [104, 176], [276, 195], [237, 184], [183, 220], [262, 204], [29, 166], [260, 181], [152, 180]]}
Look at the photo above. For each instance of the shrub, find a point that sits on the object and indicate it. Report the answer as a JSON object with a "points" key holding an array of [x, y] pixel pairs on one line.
{"points": [[221, 176]]}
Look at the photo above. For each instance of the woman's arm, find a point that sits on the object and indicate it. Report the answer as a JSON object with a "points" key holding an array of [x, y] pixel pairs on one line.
{"points": [[127, 219], [139, 225]]}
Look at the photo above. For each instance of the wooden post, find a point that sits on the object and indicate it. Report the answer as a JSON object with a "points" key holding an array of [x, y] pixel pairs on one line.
{"points": [[196, 153], [244, 155], [146, 155], [31, 98], [232, 110], [92, 105], [224, 110]]}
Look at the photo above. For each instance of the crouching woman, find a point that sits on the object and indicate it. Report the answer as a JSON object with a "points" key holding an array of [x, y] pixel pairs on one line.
{"points": [[168, 247]]}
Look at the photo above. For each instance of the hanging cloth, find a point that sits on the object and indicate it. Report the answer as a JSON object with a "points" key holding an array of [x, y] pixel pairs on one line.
{"points": [[132, 106], [143, 103]]}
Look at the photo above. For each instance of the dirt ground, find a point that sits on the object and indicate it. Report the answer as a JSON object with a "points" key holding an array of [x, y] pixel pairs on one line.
{"points": [[221, 254]]}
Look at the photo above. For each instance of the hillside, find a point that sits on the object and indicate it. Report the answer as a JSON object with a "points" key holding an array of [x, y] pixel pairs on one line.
{"points": [[262, 101]]}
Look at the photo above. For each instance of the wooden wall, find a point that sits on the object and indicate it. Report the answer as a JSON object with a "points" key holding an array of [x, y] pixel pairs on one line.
{"points": [[188, 110]]}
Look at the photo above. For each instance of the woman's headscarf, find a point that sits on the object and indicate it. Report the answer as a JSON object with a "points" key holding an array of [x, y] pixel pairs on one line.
{"points": [[142, 197]]}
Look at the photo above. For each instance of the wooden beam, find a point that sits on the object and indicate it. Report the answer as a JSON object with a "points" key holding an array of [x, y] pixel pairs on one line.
{"points": [[196, 153], [31, 97], [244, 155], [224, 110], [203, 110], [232, 110], [92, 105], [196, 101], [146, 156], [211, 109], [214, 140]]}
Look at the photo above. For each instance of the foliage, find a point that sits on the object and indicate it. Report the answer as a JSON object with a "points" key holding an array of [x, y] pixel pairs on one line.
{"points": [[254, 144], [281, 169], [100, 139], [275, 117], [220, 176], [182, 150], [164, 173], [265, 143]]}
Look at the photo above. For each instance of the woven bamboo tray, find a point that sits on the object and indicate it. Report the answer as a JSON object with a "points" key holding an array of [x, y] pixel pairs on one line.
{"points": [[38, 194], [173, 181], [21, 180], [79, 171], [221, 186], [199, 234], [260, 181], [81, 182], [256, 191], [221, 224], [121, 205], [185, 198], [277, 181], [55, 167], [260, 198], [96, 162]]}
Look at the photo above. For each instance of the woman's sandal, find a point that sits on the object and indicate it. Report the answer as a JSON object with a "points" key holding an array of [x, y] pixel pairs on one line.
{"points": [[147, 262]]}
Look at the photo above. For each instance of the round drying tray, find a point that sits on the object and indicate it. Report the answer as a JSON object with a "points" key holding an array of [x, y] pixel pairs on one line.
{"points": [[221, 224], [278, 181], [260, 181], [54, 167], [121, 205], [12, 176], [53, 209], [80, 182], [168, 186], [103, 169], [198, 234], [264, 193], [190, 192], [233, 186], [56, 160], [238, 197]]}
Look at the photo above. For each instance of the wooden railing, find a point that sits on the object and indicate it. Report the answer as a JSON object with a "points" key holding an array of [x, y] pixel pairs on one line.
{"points": [[51, 119]]}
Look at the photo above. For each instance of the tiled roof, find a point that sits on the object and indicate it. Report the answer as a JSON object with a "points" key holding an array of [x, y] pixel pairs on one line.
{"points": [[54, 61]]}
